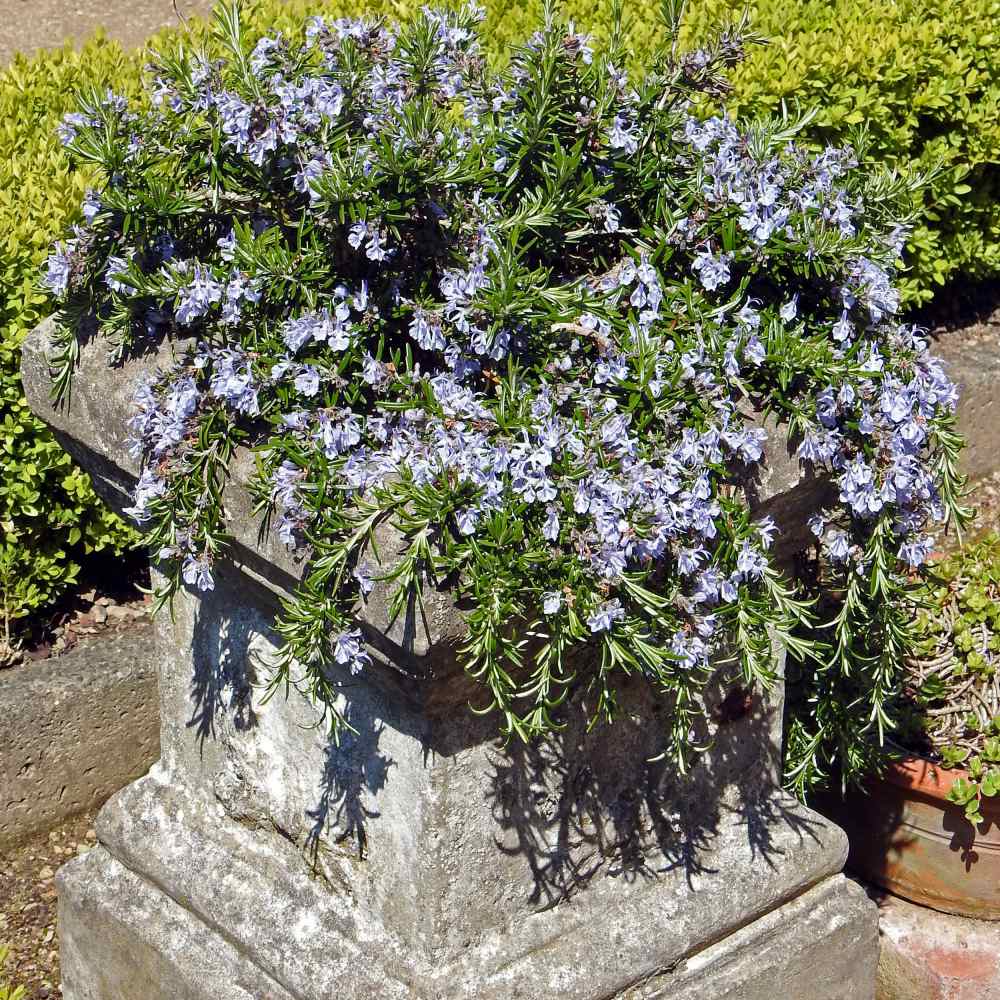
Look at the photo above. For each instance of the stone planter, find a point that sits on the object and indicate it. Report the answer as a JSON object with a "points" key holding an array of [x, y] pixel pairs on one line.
{"points": [[908, 838], [419, 859]]}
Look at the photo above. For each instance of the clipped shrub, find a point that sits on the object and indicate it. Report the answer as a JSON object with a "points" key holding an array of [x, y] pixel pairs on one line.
{"points": [[50, 517]]}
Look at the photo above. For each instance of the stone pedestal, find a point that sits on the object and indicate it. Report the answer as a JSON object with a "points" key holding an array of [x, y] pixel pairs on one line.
{"points": [[420, 858]]}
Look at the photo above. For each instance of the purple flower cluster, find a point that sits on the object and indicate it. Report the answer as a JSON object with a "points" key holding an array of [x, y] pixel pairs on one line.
{"points": [[59, 267], [712, 270], [895, 415], [370, 237], [287, 481], [196, 297], [233, 381], [73, 122], [784, 196], [164, 430], [348, 649]]}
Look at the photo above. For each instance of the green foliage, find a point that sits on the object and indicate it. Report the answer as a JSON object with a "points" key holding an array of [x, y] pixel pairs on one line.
{"points": [[8, 992], [983, 780], [922, 77], [519, 318], [926, 85], [953, 700], [50, 517]]}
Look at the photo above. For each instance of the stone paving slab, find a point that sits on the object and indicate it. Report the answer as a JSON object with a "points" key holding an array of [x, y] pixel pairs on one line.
{"points": [[29, 25], [926, 955]]}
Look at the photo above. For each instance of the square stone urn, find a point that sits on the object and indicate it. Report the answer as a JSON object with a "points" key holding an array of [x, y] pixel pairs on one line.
{"points": [[420, 858]]}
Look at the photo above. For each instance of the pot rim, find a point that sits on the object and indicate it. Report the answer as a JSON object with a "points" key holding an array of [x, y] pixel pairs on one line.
{"points": [[920, 776]]}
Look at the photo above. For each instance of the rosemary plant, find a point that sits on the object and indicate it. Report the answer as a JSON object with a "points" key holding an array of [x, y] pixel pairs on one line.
{"points": [[525, 318]]}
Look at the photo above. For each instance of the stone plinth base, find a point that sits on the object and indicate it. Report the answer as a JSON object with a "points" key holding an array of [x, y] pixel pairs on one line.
{"points": [[122, 939], [926, 955], [818, 946], [181, 904]]}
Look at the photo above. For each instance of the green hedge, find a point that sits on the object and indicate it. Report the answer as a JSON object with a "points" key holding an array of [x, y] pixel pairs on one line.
{"points": [[50, 518], [922, 75]]}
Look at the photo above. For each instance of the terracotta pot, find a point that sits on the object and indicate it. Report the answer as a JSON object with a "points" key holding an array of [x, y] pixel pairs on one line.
{"points": [[908, 838]]}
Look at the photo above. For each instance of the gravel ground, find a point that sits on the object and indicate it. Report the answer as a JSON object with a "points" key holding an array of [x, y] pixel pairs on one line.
{"points": [[29, 25], [113, 595], [28, 904]]}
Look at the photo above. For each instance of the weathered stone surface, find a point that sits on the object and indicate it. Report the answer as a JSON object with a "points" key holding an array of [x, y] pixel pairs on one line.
{"points": [[926, 955], [485, 874], [121, 938], [821, 945], [319, 943], [92, 426], [418, 857], [975, 369], [76, 729], [464, 845]]}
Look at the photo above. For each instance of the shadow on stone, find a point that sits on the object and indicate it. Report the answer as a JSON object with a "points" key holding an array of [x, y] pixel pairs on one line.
{"points": [[227, 652], [605, 801], [223, 676], [353, 767]]}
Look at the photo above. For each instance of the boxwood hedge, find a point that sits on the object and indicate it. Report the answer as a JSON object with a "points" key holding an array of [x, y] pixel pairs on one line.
{"points": [[50, 518], [920, 77]]}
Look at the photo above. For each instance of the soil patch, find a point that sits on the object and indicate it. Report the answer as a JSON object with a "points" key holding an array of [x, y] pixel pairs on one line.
{"points": [[28, 904], [113, 596], [964, 312]]}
